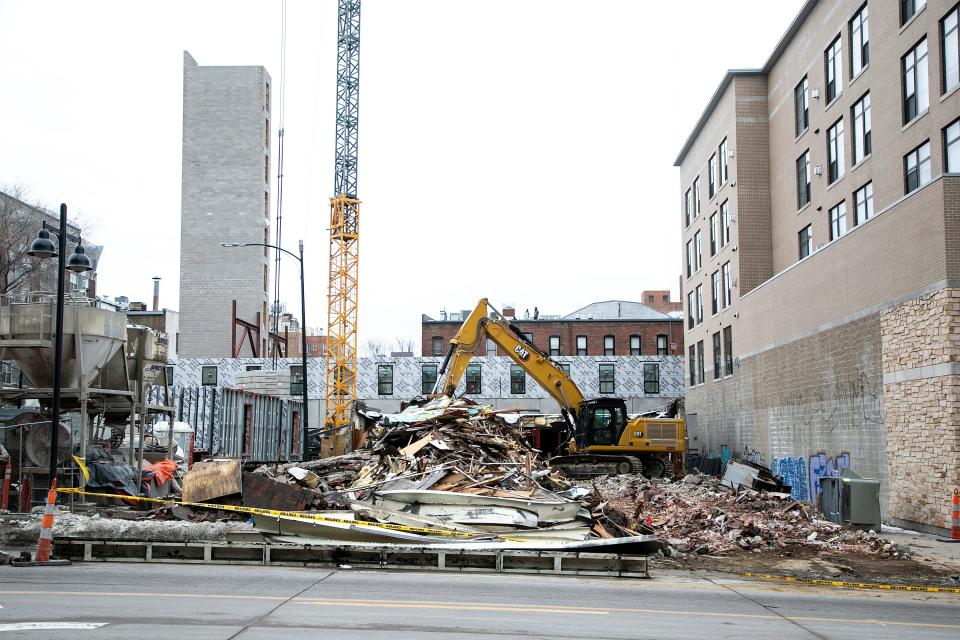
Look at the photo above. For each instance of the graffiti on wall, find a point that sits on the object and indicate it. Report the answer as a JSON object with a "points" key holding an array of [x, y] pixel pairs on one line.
{"points": [[803, 474]]}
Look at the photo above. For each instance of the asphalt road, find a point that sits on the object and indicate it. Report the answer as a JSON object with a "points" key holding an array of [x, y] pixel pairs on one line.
{"points": [[221, 602]]}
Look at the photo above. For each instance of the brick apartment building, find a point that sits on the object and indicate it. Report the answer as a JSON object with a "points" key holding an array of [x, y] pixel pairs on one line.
{"points": [[820, 207], [611, 328]]}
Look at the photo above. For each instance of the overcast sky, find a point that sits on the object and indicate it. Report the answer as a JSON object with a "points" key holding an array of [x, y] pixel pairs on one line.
{"points": [[513, 149]]}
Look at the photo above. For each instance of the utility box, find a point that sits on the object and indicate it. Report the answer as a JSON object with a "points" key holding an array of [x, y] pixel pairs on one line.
{"points": [[850, 499]]}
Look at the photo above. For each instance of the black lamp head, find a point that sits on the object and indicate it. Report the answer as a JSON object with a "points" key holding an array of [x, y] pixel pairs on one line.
{"points": [[43, 246], [79, 262]]}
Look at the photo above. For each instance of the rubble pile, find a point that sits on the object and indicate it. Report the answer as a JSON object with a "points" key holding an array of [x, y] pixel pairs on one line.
{"points": [[700, 515]]}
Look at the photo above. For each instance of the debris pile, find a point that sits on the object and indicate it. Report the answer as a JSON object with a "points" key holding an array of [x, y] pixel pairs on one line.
{"points": [[699, 515]]}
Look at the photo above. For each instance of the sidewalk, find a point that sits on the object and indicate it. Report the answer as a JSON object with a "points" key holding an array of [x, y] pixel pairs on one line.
{"points": [[926, 547]]}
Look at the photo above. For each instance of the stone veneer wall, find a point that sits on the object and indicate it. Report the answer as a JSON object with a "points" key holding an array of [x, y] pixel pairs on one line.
{"points": [[921, 365]]}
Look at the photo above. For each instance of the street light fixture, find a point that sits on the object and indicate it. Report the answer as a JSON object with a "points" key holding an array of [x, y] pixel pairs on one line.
{"points": [[78, 262], [303, 318]]}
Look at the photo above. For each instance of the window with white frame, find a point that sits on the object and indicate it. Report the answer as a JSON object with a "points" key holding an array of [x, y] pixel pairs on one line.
{"points": [[696, 197], [689, 258], [835, 151], [688, 206], [662, 348], [699, 303], [581, 345], [725, 223], [863, 204], [608, 346], [803, 180], [951, 147], [491, 347], [859, 42], [951, 49], [916, 93], [724, 167], [715, 292], [690, 322], [832, 59], [634, 345], [712, 178], [838, 220], [554, 342], [697, 252], [805, 241], [700, 358], [801, 103], [916, 167], [713, 234], [862, 143], [727, 284]]}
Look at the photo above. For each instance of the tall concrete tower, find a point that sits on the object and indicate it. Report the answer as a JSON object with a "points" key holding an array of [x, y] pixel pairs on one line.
{"points": [[225, 197]]}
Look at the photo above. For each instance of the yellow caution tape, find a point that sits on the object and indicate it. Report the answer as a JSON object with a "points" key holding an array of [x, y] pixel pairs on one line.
{"points": [[855, 585], [83, 469], [272, 512]]}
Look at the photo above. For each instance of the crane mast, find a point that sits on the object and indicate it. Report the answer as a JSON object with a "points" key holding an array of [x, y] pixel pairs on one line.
{"points": [[341, 362]]}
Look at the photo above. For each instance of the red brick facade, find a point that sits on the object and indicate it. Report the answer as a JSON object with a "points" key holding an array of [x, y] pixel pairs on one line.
{"points": [[568, 330]]}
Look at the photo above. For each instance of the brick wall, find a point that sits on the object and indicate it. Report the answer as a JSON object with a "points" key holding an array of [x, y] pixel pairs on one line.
{"points": [[568, 330], [921, 364]]}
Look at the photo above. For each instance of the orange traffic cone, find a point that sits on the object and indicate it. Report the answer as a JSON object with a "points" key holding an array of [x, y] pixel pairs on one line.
{"points": [[7, 477], [45, 543], [955, 519]]}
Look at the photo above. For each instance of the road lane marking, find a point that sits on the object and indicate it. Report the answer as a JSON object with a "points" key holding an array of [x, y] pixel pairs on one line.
{"points": [[456, 606], [50, 626], [527, 608]]}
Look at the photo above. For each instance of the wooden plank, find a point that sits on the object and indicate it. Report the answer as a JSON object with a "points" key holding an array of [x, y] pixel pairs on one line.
{"points": [[208, 480]]}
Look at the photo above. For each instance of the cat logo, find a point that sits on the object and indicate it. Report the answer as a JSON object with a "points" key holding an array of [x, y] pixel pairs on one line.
{"points": [[523, 353]]}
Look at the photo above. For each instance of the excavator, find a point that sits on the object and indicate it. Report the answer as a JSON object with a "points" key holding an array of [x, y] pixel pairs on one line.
{"points": [[603, 440]]}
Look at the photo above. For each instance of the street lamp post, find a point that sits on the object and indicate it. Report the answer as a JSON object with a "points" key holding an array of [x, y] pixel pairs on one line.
{"points": [[78, 262], [303, 320]]}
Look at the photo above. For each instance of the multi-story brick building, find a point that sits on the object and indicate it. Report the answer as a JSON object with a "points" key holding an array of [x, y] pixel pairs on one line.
{"points": [[225, 198], [820, 206], [611, 328]]}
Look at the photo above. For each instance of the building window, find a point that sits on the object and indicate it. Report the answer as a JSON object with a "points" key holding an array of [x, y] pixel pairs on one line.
{"points": [[724, 167], [701, 375], [167, 375], [832, 60], [835, 151], [608, 349], [838, 220], [801, 105], [436, 344], [565, 367], [428, 378], [725, 223], [916, 95], [699, 303], [909, 8], [690, 322], [713, 235], [803, 180], [266, 168], [697, 252], [951, 146], [651, 377], [689, 258], [805, 241], [266, 133], [859, 42], [861, 129], [712, 178], [687, 206], [717, 357], [296, 380], [634, 345], [696, 197], [491, 347], [951, 50], [727, 285], [581, 345], [473, 378], [715, 292], [208, 376], [384, 379], [916, 166], [518, 380], [693, 366], [863, 204], [554, 342], [728, 350], [606, 378]]}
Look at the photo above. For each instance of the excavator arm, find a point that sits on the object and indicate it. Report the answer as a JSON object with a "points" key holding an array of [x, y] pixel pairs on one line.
{"points": [[470, 338]]}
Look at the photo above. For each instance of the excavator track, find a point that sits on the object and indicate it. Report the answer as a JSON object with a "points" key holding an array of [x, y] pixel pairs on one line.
{"points": [[591, 466]]}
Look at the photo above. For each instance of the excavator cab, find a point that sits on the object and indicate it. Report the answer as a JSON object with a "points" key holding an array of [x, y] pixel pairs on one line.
{"points": [[601, 422]]}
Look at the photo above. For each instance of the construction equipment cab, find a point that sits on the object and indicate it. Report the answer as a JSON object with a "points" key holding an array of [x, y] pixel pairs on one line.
{"points": [[599, 437]]}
